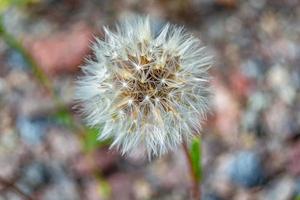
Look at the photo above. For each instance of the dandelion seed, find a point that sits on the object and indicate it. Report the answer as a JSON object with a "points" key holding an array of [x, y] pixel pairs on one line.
{"points": [[130, 102], [146, 89], [124, 84], [147, 97]]}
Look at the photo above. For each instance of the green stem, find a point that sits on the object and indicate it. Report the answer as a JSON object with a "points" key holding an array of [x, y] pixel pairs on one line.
{"points": [[195, 182]]}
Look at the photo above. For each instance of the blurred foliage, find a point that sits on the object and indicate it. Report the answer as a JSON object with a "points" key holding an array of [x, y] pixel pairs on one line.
{"points": [[63, 117], [90, 140], [5, 4], [104, 188], [196, 157]]}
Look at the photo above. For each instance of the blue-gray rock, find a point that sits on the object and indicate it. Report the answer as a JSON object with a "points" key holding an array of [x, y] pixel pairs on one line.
{"points": [[246, 169], [32, 131], [211, 196], [34, 176], [16, 61]]}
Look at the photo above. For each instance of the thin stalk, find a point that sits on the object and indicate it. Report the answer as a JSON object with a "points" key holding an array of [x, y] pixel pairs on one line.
{"points": [[195, 184], [15, 44], [47, 84], [38, 73]]}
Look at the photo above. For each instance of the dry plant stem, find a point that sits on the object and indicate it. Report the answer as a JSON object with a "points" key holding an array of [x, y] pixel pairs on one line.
{"points": [[11, 185], [195, 186]]}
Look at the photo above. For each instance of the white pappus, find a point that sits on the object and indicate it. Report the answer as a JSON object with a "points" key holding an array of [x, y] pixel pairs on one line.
{"points": [[146, 89]]}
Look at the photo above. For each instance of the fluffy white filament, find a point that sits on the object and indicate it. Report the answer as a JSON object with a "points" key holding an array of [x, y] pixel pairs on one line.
{"points": [[145, 88]]}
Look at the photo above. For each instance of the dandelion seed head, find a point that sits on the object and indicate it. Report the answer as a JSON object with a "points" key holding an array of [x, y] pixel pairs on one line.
{"points": [[145, 88]]}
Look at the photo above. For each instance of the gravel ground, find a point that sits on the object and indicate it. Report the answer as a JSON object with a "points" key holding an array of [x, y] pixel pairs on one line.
{"points": [[251, 145]]}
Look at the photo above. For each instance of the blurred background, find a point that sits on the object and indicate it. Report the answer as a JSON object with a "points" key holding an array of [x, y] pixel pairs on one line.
{"points": [[251, 140]]}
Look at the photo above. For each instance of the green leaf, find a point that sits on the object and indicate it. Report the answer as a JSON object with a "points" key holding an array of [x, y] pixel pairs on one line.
{"points": [[196, 156]]}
